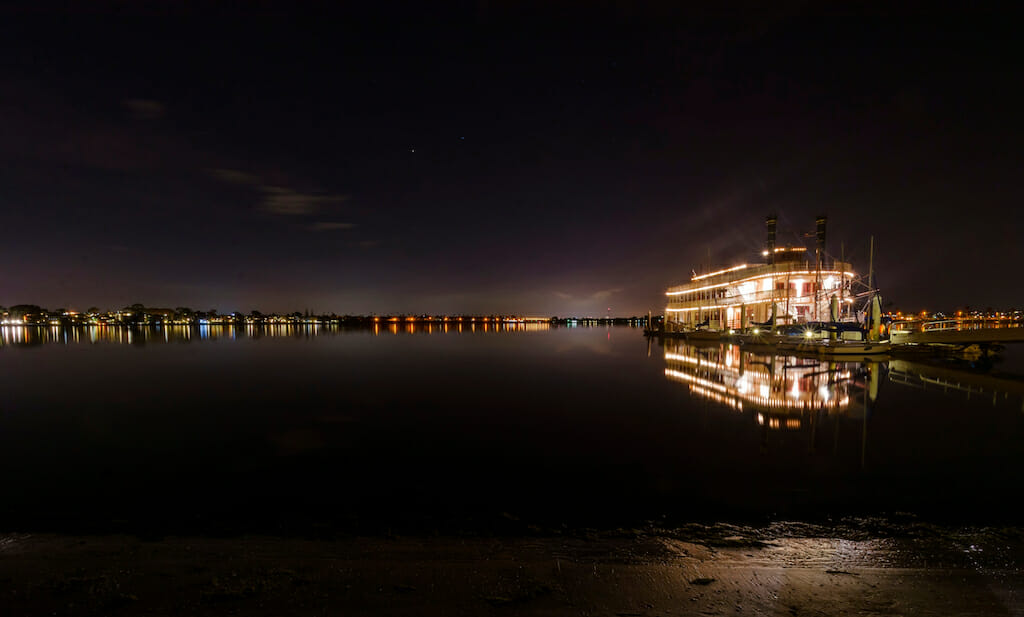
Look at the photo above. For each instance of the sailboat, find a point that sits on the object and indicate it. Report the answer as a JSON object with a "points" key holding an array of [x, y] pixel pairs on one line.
{"points": [[872, 345]]}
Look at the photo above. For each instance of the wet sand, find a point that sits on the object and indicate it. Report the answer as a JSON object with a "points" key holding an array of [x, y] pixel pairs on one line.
{"points": [[719, 570]]}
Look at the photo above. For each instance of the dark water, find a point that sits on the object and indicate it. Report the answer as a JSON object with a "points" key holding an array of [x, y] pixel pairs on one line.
{"points": [[303, 428]]}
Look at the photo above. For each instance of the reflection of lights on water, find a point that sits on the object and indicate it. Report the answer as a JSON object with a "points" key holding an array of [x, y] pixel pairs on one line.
{"points": [[167, 333], [688, 359], [692, 379], [718, 398], [775, 383], [775, 423], [707, 385]]}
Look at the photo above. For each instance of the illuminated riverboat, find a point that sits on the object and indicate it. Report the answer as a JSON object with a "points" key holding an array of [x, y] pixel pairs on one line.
{"points": [[792, 286]]}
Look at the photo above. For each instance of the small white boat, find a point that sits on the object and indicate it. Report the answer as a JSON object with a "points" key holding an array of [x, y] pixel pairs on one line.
{"points": [[703, 335], [850, 348], [872, 346]]}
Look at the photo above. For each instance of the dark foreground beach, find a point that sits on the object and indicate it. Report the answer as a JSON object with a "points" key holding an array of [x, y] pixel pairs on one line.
{"points": [[864, 567]]}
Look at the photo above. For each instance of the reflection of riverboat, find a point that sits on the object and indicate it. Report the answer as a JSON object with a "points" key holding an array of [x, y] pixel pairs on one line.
{"points": [[780, 393], [774, 386]]}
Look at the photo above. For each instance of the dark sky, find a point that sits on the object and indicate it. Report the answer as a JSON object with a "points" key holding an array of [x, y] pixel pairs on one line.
{"points": [[497, 157]]}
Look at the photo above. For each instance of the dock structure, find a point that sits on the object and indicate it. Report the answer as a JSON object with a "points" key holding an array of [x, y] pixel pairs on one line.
{"points": [[973, 336]]}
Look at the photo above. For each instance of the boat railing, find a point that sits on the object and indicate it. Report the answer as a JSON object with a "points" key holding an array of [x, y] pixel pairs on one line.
{"points": [[804, 268], [935, 325], [940, 325], [754, 297]]}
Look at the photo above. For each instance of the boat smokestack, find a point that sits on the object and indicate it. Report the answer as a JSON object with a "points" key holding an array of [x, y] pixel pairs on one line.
{"points": [[772, 220]]}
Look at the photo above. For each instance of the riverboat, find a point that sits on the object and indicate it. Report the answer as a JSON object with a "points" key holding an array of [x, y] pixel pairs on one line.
{"points": [[792, 286], [796, 300]]}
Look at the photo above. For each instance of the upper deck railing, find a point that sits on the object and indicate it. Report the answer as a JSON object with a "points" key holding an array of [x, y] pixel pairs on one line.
{"points": [[738, 274]]}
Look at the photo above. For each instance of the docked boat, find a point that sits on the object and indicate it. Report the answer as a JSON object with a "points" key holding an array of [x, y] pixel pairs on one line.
{"points": [[756, 337], [791, 286], [797, 300], [852, 348], [702, 333], [870, 345]]}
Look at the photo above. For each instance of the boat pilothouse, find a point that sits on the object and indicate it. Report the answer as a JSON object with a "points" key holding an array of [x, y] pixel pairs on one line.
{"points": [[791, 286]]}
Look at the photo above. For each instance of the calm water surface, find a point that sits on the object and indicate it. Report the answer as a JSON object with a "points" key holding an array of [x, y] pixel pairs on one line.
{"points": [[266, 429]]}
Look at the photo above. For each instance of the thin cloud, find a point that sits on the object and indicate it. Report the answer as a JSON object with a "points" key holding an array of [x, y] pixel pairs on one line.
{"points": [[145, 109], [604, 294], [281, 200], [597, 296], [285, 201], [233, 176], [329, 226]]}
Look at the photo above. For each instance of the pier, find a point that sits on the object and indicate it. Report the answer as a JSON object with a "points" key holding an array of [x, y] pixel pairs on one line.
{"points": [[975, 336], [916, 343]]}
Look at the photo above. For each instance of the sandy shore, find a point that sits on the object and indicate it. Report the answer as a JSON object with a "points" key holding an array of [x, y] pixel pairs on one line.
{"points": [[626, 573]]}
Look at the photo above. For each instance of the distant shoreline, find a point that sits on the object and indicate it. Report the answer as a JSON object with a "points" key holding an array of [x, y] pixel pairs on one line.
{"points": [[361, 320]]}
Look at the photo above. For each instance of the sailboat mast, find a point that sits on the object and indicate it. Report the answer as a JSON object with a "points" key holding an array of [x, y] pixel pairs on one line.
{"points": [[871, 267], [842, 276], [819, 254], [870, 318]]}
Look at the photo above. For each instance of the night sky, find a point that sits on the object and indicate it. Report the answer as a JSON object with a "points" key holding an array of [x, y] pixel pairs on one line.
{"points": [[491, 158]]}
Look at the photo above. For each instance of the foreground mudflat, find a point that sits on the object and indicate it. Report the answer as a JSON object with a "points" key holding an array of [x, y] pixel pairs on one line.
{"points": [[728, 571]]}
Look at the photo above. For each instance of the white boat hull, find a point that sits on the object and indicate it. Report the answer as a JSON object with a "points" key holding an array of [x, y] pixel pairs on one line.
{"points": [[853, 348]]}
